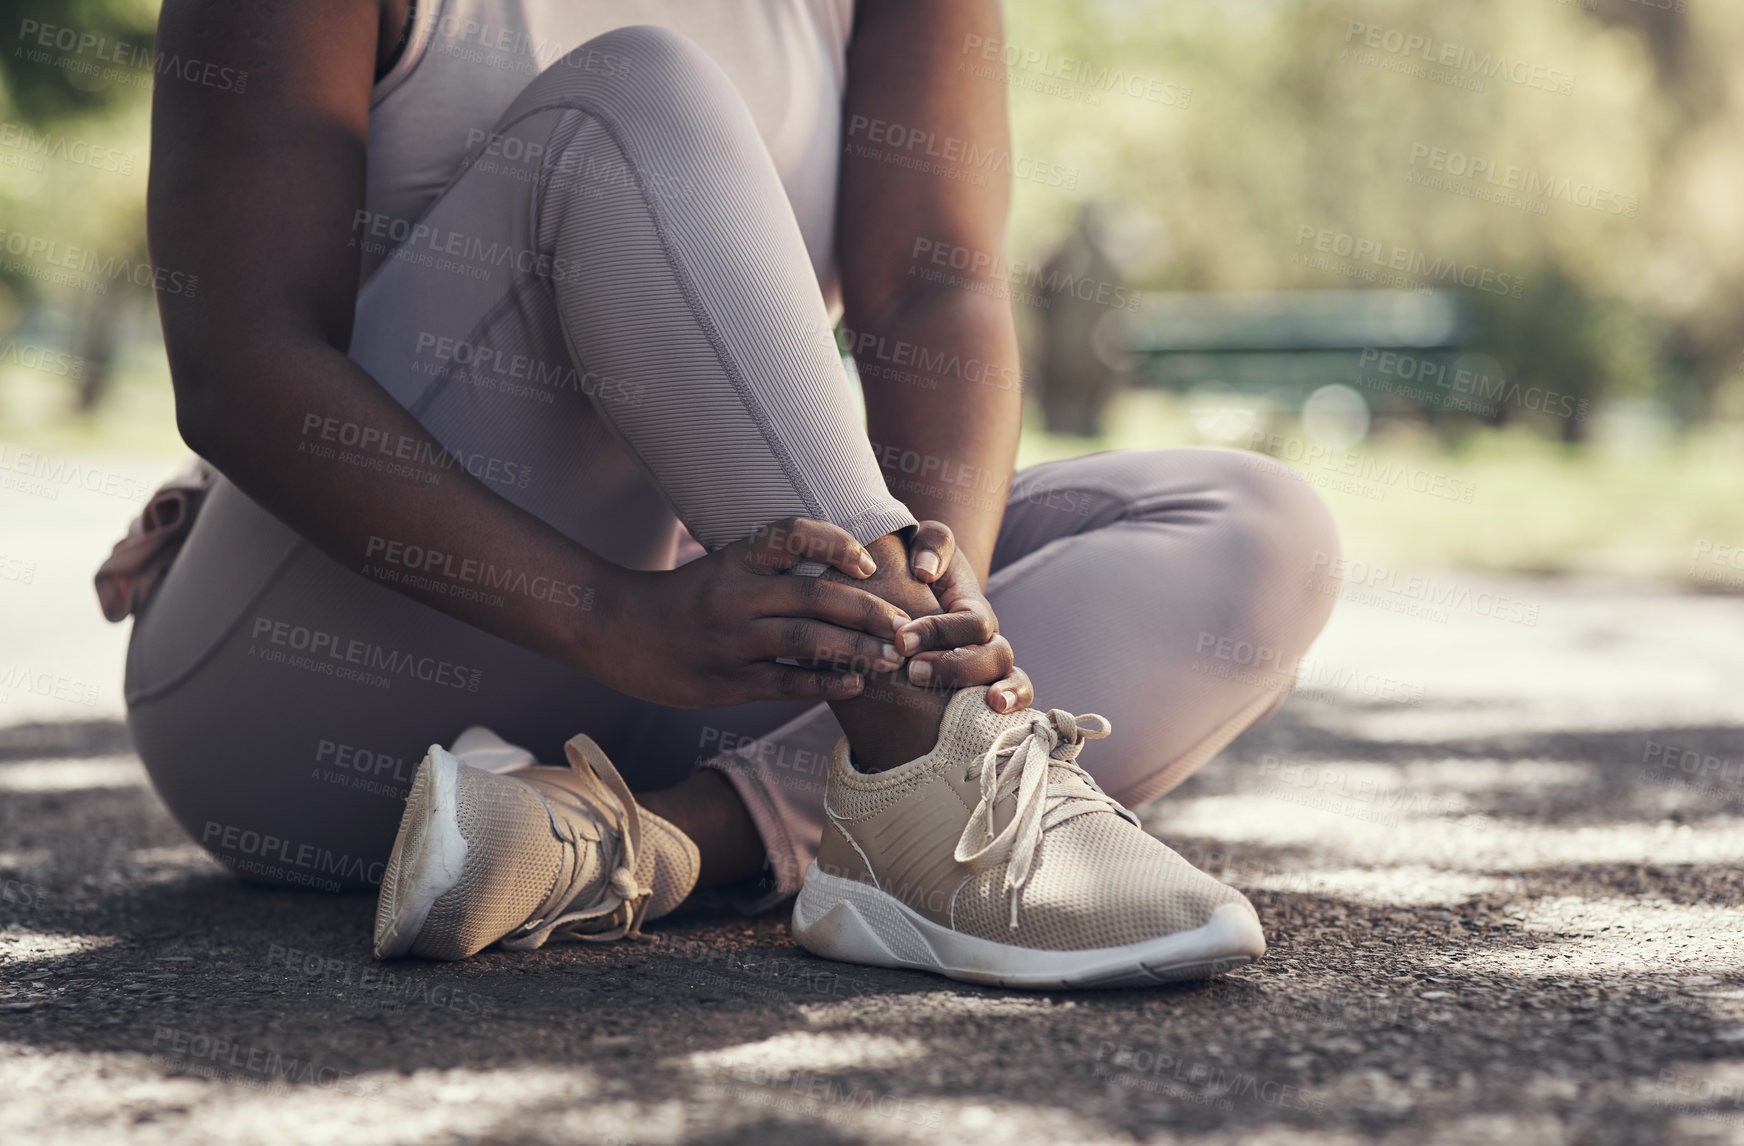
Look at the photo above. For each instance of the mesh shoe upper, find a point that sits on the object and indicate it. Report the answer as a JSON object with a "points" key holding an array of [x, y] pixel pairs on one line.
{"points": [[999, 826], [1098, 881], [667, 865], [514, 860], [551, 851]]}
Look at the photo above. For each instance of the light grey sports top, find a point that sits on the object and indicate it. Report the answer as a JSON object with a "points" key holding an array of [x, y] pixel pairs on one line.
{"points": [[465, 61]]}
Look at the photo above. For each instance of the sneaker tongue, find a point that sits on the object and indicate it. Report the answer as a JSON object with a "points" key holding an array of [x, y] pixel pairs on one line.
{"points": [[969, 728]]}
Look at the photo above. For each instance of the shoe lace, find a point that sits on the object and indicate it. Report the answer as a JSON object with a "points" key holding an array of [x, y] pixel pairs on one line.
{"points": [[622, 903], [1021, 760]]}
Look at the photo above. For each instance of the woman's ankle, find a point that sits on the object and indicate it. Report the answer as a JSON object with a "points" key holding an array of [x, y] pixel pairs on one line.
{"points": [[892, 721]]}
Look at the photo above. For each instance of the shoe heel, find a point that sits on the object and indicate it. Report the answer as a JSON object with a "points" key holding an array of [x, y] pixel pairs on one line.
{"points": [[848, 921], [429, 854]]}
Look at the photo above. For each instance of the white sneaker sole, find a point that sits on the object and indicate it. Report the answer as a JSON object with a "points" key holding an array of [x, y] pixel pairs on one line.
{"points": [[415, 878], [856, 923]]}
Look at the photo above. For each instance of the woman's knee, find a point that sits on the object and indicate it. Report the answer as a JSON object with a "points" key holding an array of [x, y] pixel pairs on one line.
{"points": [[660, 105], [1262, 506], [646, 51], [1289, 544], [1292, 529], [1268, 532], [633, 72]]}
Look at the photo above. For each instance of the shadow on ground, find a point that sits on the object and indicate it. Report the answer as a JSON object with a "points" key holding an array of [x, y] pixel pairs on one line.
{"points": [[1521, 935]]}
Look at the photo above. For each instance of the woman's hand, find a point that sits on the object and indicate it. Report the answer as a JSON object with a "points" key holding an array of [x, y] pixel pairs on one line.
{"points": [[710, 633], [961, 646]]}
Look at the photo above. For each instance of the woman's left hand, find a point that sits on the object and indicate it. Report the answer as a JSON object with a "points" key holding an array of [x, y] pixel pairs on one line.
{"points": [[961, 646]]}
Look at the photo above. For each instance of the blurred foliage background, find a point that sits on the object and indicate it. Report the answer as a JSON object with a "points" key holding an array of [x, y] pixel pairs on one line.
{"points": [[1184, 151]]}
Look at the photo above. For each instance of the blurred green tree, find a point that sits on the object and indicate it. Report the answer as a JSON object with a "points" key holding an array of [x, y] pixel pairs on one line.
{"points": [[44, 95], [61, 95], [1607, 132]]}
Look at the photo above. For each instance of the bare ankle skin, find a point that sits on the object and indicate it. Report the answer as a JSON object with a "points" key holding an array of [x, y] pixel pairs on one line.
{"points": [[889, 724], [892, 721]]}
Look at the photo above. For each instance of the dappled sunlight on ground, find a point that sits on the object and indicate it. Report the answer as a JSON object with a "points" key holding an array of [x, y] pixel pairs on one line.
{"points": [[1487, 922]]}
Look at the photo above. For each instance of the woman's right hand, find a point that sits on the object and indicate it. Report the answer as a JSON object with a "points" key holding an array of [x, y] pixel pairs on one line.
{"points": [[710, 633]]}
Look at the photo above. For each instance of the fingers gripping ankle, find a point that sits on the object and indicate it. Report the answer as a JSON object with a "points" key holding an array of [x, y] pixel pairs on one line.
{"points": [[893, 580]]}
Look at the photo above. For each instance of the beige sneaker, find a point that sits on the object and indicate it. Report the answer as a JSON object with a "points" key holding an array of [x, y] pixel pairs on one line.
{"points": [[995, 858], [484, 857]]}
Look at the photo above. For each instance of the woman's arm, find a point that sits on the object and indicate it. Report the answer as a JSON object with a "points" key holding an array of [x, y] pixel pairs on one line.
{"points": [[925, 186], [255, 192]]}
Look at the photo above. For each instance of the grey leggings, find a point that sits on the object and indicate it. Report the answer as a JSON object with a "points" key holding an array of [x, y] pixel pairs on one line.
{"points": [[622, 334]]}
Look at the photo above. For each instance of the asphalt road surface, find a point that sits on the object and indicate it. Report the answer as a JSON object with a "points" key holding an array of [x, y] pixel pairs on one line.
{"points": [[1498, 862]]}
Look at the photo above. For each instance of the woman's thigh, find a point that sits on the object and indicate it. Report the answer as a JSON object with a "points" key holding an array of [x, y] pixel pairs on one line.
{"points": [[288, 750]]}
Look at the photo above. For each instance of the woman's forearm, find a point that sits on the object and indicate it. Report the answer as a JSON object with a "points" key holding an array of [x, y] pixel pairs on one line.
{"points": [[318, 443], [944, 407], [937, 352]]}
